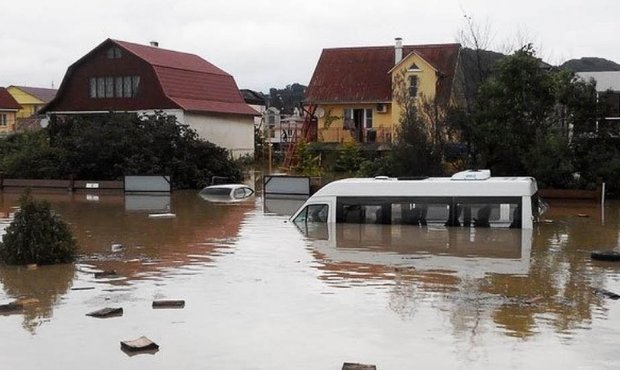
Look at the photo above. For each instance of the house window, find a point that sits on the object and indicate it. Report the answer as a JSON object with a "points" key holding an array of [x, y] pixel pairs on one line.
{"points": [[114, 87], [135, 83], [119, 87], [413, 86], [368, 118], [3, 119], [93, 87], [109, 87], [100, 87], [114, 53]]}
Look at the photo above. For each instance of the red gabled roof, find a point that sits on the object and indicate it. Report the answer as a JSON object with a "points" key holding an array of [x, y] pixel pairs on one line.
{"points": [[191, 82], [360, 74], [43, 94], [7, 102]]}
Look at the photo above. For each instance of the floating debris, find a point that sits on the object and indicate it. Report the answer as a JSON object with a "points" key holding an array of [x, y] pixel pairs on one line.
{"points": [[116, 247], [32, 266], [162, 215], [83, 288], [353, 366], [11, 308], [138, 345], [169, 304], [606, 293], [107, 312], [27, 301], [610, 255], [582, 215], [534, 300], [107, 273]]}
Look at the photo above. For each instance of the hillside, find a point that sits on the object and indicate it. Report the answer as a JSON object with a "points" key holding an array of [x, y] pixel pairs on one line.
{"points": [[590, 64]]}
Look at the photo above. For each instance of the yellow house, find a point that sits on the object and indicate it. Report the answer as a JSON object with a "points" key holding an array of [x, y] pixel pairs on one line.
{"points": [[8, 112], [31, 99], [356, 90]]}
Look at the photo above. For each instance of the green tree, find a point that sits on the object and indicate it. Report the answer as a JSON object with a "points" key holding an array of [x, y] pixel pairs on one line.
{"points": [[37, 235], [110, 146], [419, 138], [349, 158]]}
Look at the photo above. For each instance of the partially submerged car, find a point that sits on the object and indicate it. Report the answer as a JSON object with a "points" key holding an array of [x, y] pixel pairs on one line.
{"points": [[226, 193]]}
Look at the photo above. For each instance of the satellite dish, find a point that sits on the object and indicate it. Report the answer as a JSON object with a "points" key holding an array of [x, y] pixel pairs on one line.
{"points": [[44, 122], [320, 112]]}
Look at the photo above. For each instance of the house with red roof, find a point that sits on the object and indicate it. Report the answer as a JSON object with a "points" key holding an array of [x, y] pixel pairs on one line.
{"points": [[8, 112], [120, 76], [354, 90]]}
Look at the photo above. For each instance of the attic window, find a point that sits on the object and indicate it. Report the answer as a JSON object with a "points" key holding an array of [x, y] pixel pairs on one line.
{"points": [[414, 68], [114, 53]]}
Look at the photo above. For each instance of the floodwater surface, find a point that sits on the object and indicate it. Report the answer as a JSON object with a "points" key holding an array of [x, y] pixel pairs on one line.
{"points": [[263, 293]]}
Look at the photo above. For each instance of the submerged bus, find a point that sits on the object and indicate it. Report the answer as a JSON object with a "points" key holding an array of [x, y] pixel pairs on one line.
{"points": [[467, 199]]}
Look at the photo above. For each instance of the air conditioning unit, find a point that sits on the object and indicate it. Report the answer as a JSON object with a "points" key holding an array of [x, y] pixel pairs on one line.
{"points": [[381, 108]]}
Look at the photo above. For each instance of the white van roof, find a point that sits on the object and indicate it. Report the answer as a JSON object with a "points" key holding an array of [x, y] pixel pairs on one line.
{"points": [[431, 187]]}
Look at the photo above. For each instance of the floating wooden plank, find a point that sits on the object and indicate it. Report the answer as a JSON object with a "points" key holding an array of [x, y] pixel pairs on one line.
{"points": [[168, 304], [354, 366], [610, 255], [83, 288], [162, 215], [107, 312], [137, 345], [12, 307], [606, 293], [104, 274]]}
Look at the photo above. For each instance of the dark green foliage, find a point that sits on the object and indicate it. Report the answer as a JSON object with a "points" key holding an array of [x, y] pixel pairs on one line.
{"points": [[414, 154], [110, 146], [349, 158], [308, 160], [37, 235], [597, 159]]}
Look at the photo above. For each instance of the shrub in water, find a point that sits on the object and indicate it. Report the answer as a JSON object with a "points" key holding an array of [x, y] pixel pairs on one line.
{"points": [[37, 235]]}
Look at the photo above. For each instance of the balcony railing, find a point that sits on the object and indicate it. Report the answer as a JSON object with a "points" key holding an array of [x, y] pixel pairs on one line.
{"points": [[380, 135]]}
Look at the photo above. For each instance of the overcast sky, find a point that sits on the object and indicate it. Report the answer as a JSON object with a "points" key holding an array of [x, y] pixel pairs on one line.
{"points": [[277, 42]]}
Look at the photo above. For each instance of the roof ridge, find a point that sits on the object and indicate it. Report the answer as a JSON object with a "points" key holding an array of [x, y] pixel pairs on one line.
{"points": [[453, 44]]}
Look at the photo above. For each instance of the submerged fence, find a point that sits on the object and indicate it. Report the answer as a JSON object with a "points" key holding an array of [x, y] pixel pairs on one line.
{"points": [[129, 184]]}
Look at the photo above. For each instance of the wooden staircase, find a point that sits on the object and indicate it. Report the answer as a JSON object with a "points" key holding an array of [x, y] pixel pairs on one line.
{"points": [[308, 134]]}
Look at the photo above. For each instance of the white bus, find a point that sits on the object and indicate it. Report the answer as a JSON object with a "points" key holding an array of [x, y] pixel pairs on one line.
{"points": [[467, 199]]}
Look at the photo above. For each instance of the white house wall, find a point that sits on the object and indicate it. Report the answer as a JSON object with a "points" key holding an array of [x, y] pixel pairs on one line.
{"points": [[235, 133]]}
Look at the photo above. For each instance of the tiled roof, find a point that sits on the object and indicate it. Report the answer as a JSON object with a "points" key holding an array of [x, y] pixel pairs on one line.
{"points": [[192, 82], [7, 102], [43, 94], [360, 74]]}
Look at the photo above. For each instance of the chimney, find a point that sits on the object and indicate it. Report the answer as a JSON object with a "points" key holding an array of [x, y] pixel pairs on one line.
{"points": [[154, 44], [398, 50]]}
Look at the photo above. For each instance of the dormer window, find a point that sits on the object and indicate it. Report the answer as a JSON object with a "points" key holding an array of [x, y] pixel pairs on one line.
{"points": [[114, 53], [414, 68]]}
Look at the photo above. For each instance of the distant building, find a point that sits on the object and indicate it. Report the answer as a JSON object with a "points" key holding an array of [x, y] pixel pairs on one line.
{"points": [[119, 76], [282, 129], [607, 86], [8, 112], [353, 88], [256, 101], [32, 99]]}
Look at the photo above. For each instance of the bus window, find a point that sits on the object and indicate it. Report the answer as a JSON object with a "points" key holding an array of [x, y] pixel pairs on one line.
{"points": [[313, 213]]}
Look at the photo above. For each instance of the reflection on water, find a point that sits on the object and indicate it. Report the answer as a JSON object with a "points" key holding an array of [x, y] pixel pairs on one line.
{"points": [[463, 298], [37, 289]]}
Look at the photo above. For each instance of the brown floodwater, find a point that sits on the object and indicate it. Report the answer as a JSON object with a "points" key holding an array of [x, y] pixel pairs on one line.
{"points": [[262, 293]]}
